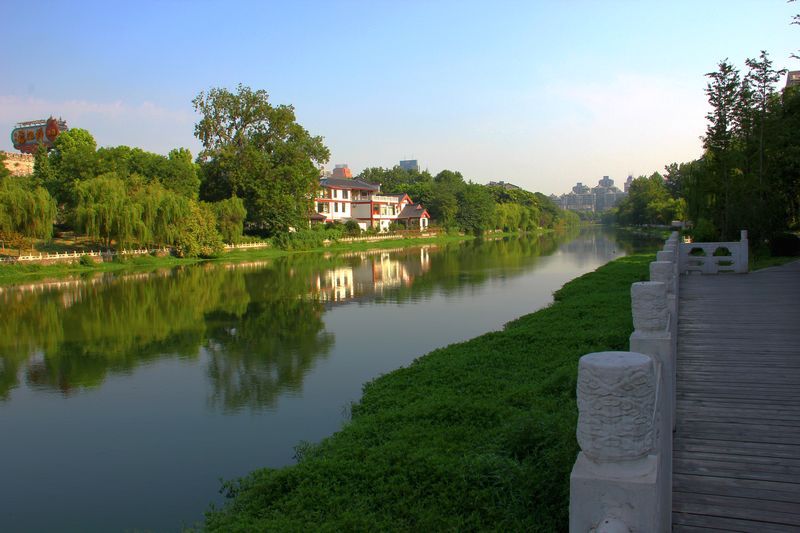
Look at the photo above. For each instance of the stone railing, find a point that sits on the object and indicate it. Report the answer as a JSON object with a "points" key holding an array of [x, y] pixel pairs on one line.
{"points": [[622, 479], [71, 256], [708, 258]]}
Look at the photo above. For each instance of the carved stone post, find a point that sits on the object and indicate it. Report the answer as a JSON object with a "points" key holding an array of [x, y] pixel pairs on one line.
{"points": [[654, 336], [616, 476]]}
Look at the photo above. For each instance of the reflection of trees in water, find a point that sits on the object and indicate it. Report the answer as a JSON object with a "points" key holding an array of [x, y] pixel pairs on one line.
{"points": [[261, 330], [261, 337], [264, 353]]}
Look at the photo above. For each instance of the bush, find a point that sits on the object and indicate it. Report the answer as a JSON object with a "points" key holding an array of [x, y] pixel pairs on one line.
{"points": [[86, 260], [704, 231], [352, 229]]}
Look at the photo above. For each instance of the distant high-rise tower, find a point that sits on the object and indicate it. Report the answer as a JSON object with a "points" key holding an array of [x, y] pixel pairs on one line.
{"points": [[410, 164], [342, 171]]}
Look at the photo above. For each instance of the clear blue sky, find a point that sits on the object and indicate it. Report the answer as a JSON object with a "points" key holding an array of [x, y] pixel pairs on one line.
{"points": [[538, 93]]}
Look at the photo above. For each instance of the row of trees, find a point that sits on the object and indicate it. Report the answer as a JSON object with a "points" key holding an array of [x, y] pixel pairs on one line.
{"points": [[748, 174], [118, 195], [258, 170], [457, 204]]}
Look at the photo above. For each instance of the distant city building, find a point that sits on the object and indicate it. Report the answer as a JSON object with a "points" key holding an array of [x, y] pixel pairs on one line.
{"points": [[793, 78], [595, 199], [503, 184], [342, 171], [409, 164], [628, 184]]}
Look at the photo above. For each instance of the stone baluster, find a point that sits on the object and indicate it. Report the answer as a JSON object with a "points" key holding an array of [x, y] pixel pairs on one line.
{"points": [[615, 479], [653, 336]]}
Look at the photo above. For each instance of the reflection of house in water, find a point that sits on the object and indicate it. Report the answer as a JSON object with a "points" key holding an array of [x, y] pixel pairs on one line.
{"points": [[372, 275]]}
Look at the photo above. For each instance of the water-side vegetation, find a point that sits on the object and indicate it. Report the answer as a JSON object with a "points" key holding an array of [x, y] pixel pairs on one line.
{"points": [[478, 435]]}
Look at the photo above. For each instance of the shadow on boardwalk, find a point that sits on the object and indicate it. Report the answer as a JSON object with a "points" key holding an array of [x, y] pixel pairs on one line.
{"points": [[737, 441]]}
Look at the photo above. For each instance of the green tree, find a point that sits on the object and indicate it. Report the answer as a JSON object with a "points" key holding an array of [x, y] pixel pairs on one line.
{"points": [[4, 172], [724, 96], [74, 158], [43, 173], [105, 211], [475, 208], [230, 214], [27, 212], [198, 235], [259, 153]]}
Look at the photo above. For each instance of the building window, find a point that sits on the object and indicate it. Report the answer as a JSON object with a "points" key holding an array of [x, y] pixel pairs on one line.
{"points": [[335, 207], [346, 195]]}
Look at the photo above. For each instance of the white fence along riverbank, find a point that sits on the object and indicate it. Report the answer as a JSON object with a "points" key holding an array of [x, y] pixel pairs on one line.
{"points": [[73, 256]]}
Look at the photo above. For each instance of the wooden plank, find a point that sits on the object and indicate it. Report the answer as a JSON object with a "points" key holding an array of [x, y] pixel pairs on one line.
{"points": [[736, 462], [746, 488], [728, 524], [736, 447], [736, 469], [734, 507], [754, 460]]}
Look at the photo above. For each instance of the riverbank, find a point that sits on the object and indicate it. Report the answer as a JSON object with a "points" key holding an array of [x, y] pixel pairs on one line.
{"points": [[477, 435], [18, 272]]}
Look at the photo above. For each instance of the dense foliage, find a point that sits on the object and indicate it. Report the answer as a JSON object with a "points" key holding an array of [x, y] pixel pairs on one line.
{"points": [[258, 152], [749, 174], [649, 202], [456, 204], [26, 211], [476, 436], [121, 196]]}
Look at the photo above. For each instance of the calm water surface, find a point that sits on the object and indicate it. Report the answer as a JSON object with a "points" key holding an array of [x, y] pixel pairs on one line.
{"points": [[125, 399]]}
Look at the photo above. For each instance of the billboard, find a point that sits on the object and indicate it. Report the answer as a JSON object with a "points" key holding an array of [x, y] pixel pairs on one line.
{"points": [[26, 136]]}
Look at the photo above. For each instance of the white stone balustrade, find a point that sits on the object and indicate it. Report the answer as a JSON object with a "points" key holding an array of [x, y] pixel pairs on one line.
{"points": [[622, 481], [699, 256]]}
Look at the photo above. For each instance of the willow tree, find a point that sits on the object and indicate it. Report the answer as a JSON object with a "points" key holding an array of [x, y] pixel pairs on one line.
{"points": [[104, 211], [258, 152], [26, 212]]}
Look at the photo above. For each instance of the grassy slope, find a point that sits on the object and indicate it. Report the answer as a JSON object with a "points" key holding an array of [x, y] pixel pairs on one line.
{"points": [[475, 436]]}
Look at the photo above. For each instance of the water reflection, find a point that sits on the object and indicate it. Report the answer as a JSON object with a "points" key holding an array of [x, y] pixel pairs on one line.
{"points": [[260, 323]]}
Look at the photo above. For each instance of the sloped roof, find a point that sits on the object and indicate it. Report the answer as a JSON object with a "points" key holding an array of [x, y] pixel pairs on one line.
{"points": [[413, 211], [347, 183]]}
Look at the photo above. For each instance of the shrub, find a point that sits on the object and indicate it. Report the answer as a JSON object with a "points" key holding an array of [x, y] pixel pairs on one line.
{"points": [[86, 260], [352, 229]]}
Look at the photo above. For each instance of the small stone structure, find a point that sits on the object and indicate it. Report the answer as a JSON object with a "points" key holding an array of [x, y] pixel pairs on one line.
{"points": [[18, 164], [706, 258]]}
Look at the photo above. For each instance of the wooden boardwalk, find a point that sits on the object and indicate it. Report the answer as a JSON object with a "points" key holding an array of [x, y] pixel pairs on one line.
{"points": [[736, 463]]}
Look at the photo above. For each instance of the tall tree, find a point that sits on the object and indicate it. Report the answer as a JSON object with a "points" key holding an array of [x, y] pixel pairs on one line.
{"points": [[723, 92], [259, 153]]}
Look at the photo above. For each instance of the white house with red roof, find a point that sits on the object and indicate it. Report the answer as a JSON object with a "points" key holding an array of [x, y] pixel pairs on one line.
{"points": [[341, 198]]}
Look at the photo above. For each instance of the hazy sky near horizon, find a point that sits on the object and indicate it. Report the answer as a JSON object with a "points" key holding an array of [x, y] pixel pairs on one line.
{"points": [[539, 93]]}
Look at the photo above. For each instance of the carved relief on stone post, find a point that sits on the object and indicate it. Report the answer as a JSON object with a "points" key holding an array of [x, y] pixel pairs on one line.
{"points": [[616, 399], [663, 271], [649, 305]]}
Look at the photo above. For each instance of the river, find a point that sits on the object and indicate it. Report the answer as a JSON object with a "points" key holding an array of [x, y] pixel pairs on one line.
{"points": [[124, 399]]}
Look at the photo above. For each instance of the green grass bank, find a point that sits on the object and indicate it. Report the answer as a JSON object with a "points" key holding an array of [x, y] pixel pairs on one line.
{"points": [[478, 435]]}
